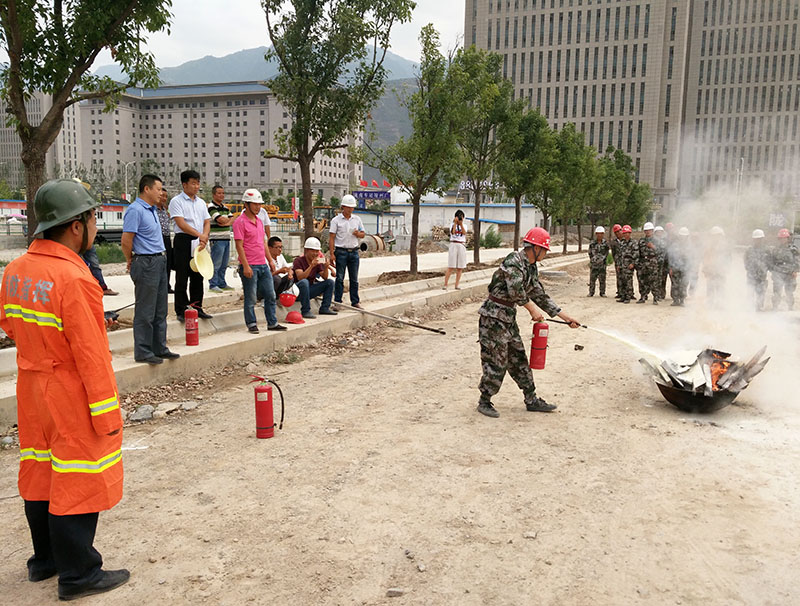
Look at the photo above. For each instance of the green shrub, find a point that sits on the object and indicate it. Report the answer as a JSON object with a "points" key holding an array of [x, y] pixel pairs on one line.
{"points": [[110, 253], [491, 239]]}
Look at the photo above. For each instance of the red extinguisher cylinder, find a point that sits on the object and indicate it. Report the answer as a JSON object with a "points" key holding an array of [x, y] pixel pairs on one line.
{"points": [[265, 419], [539, 345], [192, 328]]}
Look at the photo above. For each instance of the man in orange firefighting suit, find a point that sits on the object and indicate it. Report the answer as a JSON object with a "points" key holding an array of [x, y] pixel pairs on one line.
{"points": [[67, 403]]}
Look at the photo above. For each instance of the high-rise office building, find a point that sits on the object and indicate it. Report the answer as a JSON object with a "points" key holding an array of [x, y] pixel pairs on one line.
{"points": [[676, 84]]}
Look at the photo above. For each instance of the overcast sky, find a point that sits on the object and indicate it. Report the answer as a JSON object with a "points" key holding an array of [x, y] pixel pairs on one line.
{"points": [[215, 27]]}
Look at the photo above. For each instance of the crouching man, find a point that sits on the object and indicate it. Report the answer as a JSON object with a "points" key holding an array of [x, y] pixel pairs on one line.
{"points": [[515, 283], [311, 276]]}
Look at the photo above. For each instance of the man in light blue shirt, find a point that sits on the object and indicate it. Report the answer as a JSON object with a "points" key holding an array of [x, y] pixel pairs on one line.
{"points": [[143, 247]]}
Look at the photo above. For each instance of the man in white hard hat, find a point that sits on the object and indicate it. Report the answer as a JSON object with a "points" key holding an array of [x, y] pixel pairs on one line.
{"points": [[784, 264], [311, 275], [660, 240], [756, 264], [345, 232], [598, 253], [678, 261], [647, 264]]}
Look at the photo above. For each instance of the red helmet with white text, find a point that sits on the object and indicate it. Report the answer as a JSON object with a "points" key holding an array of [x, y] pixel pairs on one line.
{"points": [[784, 233], [537, 237], [626, 229], [617, 227]]}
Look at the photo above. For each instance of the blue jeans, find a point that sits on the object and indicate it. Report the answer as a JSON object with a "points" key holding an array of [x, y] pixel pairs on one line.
{"points": [[93, 262], [347, 259], [261, 282], [220, 255], [309, 291]]}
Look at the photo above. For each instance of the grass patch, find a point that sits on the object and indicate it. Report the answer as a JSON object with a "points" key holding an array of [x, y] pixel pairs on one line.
{"points": [[110, 253]]}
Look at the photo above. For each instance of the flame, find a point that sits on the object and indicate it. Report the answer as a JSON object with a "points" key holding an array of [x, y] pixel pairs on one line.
{"points": [[718, 368]]}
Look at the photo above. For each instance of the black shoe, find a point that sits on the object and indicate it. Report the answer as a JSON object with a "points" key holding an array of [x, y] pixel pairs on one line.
{"points": [[169, 355], [204, 315], [539, 405], [277, 327], [170, 291], [328, 312], [180, 317], [41, 575], [640, 301], [111, 579], [152, 360], [486, 408], [674, 304], [626, 301], [655, 301], [602, 295], [253, 329], [591, 294], [309, 316]]}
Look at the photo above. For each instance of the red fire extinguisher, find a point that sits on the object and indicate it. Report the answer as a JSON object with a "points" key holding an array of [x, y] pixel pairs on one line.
{"points": [[265, 419], [192, 330], [539, 345]]}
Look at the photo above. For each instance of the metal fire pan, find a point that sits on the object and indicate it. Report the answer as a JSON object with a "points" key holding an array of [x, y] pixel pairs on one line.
{"points": [[689, 401]]}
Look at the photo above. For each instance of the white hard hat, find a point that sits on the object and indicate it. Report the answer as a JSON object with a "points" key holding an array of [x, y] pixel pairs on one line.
{"points": [[758, 233], [648, 226], [252, 195], [312, 243], [349, 200], [658, 228], [599, 229], [683, 231], [717, 231]]}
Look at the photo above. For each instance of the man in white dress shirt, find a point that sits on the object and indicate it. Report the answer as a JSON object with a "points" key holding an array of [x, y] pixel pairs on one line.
{"points": [[345, 232]]}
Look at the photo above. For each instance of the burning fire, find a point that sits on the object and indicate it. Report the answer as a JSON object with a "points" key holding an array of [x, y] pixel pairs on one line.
{"points": [[718, 368]]}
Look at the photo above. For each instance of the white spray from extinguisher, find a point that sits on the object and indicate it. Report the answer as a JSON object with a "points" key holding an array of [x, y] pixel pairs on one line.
{"points": [[629, 342]]}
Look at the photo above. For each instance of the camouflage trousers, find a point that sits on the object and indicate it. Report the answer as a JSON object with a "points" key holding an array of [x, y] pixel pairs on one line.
{"points": [[597, 274], [648, 281], [618, 272], [759, 290], [626, 277], [663, 274], [783, 284], [679, 285], [502, 350]]}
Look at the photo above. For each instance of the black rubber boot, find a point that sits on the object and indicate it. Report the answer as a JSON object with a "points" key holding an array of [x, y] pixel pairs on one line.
{"points": [[111, 579], [486, 408], [539, 405]]}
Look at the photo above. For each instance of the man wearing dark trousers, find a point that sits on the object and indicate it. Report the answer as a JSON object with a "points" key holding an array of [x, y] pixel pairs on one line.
{"points": [[192, 227], [70, 427], [166, 232], [143, 247]]}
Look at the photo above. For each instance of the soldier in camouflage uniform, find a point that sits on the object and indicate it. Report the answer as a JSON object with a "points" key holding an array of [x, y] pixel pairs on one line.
{"points": [[716, 262], [627, 263], [647, 265], [598, 253], [678, 263], [660, 240], [515, 283], [756, 263], [615, 250], [784, 264]]}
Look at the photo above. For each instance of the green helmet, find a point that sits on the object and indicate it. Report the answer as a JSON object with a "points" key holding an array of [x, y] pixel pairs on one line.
{"points": [[59, 201]]}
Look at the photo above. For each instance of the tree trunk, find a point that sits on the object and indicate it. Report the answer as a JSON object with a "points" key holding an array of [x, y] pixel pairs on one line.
{"points": [[566, 233], [414, 230], [545, 220], [308, 196], [476, 228], [517, 220], [33, 158], [580, 243]]}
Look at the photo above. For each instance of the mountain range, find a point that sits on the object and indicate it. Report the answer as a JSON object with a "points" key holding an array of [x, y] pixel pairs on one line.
{"points": [[388, 120]]}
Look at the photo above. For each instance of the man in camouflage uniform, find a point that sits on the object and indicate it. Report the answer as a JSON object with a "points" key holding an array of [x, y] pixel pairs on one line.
{"points": [[627, 263], [647, 265], [678, 263], [615, 250], [660, 240], [716, 261], [516, 282], [756, 263], [598, 253], [784, 264]]}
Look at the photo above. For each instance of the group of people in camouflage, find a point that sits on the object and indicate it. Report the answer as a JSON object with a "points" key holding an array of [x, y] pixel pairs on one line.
{"points": [[781, 261]]}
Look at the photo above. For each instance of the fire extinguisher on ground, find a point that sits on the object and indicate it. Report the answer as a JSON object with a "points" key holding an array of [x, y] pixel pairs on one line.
{"points": [[192, 329], [539, 345], [265, 418]]}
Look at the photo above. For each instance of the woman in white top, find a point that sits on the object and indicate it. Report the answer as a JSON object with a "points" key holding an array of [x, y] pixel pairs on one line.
{"points": [[457, 257]]}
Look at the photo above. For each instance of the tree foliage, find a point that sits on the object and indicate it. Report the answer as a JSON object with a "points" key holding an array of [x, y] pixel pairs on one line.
{"points": [[330, 57], [430, 158], [51, 46]]}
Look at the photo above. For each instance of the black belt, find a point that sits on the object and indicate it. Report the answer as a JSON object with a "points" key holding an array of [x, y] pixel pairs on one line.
{"points": [[500, 301], [347, 249], [161, 254]]}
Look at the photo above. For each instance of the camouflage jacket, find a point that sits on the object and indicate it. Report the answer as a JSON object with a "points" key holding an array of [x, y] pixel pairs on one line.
{"points": [[598, 252], [784, 259], [615, 250], [678, 256], [626, 251], [756, 262], [661, 250], [644, 254], [516, 281]]}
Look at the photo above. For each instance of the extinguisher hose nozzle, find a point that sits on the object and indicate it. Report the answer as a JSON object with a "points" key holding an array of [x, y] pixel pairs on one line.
{"points": [[280, 426]]}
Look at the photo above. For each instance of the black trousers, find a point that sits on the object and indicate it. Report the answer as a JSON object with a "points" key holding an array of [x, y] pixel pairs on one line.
{"points": [[168, 251], [64, 543], [182, 254]]}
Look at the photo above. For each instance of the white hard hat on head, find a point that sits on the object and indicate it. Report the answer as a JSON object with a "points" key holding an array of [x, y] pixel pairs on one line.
{"points": [[252, 195], [648, 226], [658, 228], [758, 233], [600, 229], [312, 243], [683, 231], [717, 231], [348, 200]]}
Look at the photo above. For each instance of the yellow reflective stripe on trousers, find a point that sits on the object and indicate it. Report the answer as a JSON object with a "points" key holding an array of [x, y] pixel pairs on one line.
{"points": [[40, 318], [98, 466], [31, 454], [104, 406]]}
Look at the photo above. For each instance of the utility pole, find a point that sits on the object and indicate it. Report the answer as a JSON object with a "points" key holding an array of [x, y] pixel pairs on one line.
{"points": [[127, 164]]}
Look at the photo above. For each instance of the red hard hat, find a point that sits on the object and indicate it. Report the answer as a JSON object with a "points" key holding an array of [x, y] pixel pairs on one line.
{"points": [[784, 233], [287, 299], [617, 227], [626, 229], [295, 317], [669, 226], [538, 237]]}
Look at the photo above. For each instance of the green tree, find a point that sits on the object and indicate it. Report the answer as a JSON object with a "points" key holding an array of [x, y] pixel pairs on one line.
{"points": [[574, 169], [428, 159], [489, 99], [51, 46], [6, 193], [330, 57]]}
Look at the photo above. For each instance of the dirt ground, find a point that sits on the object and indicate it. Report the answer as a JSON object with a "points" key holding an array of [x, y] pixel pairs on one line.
{"points": [[385, 476]]}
